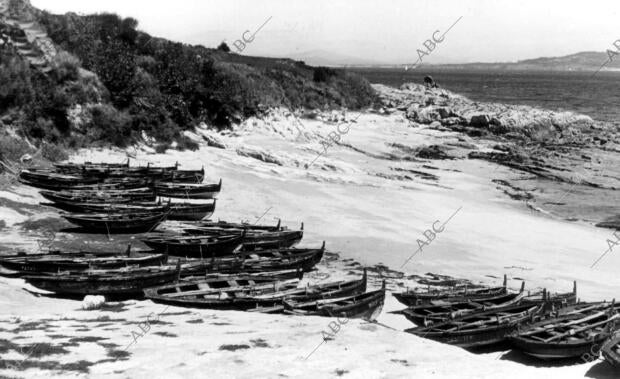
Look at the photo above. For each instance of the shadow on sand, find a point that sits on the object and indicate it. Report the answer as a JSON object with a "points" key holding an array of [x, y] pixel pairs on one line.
{"points": [[599, 370], [603, 370]]}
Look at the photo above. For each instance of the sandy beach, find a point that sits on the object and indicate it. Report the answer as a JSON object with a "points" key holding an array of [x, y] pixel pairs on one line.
{"points": [[370, 210]]}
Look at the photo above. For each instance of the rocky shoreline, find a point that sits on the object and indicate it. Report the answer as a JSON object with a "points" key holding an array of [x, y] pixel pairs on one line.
{"points": [[553, 147]]}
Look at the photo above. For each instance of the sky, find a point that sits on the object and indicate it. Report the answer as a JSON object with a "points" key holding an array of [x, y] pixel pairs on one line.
{"points": [[376, 31]]}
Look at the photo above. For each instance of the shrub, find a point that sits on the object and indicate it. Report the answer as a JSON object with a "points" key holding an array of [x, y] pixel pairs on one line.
{"points": [[65, 67], [322, 74], [186, 143], [15, 83], [53, 152], [12, 148], [223, 47], [109, 124]]}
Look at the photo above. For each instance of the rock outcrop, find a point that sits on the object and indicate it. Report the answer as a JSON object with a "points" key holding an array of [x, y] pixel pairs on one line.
{"points": [[426, 106]]}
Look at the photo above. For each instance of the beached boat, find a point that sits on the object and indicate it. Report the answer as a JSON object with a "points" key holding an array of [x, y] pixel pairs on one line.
{"points": [[333, 290], [566, 336], [111, 207], [240, 226], [251, 295], [78, 167], [416, 297], [48, 263], [450, 308], [554, 300], [188, 190], [116, 222], [47, 179], [220, 292], [196, 247], [254, 239], [261, 261], [191, 211], [121, 282], [80, 253], [187, 176], [611, 350], [367, 306], [100, 196], [480, 328]]}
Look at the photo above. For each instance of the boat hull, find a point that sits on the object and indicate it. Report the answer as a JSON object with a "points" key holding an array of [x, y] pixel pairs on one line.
{"points": [[117, 226], [198, 250], [97, 285], [549, 351]]}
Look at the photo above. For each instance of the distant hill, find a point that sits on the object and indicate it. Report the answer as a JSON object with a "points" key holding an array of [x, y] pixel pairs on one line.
{"points": [[330, 59], [584, 61]]}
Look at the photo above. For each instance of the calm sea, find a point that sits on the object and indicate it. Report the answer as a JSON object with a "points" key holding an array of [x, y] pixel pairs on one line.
{"points": [[598, 96]]}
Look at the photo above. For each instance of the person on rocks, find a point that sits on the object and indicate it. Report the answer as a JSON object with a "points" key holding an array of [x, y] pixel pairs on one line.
{"points": [[429, 82]]}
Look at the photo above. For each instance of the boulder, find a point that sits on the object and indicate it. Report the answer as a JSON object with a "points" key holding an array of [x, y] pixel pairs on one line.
{"points": [[263, 156], [433, 152], [480, 121]]}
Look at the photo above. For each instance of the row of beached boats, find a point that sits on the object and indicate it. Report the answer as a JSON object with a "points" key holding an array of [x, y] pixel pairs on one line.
{"points": [[259, 280], [543, 325], [240, 266], [201, 264], [119, 198]]}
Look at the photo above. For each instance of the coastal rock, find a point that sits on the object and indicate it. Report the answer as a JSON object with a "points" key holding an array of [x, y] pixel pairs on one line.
{"points": [[428, 114], [266, 157], [209, 137], [480, 121], [449, 121], [565, 120], [433, 152]]}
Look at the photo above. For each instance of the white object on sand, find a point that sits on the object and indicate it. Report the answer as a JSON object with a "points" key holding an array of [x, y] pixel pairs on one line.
{"points": [[92, 302]]}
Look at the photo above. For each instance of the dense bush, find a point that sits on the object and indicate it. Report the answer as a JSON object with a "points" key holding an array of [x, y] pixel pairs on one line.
{"points": [[115, 84], [223, 47], [323, 74]]}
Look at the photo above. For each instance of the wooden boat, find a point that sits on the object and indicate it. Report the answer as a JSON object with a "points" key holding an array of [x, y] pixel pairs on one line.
{"points": [[108, 184], [80, 253], [261, 261], [415, 297], [566, 336], [116, 222], [333, 290], [554, 300], [187, 176], [611, 350], [191, 212], [196, 247], [76, 167], [255, 239], [100, 196], [445, 309], [367, 306], [250, 295], [148, 171], [219, 292], [188, 190], [27, 265], [46, 179], [111, 207], [122, 282], [240, 226], [479, 328]]}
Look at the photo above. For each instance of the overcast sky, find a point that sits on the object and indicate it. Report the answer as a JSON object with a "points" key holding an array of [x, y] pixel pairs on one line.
{"points": [[377, 30]]}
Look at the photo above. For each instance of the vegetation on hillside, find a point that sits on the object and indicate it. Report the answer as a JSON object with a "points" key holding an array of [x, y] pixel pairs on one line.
{"points": [[116, 84]]}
